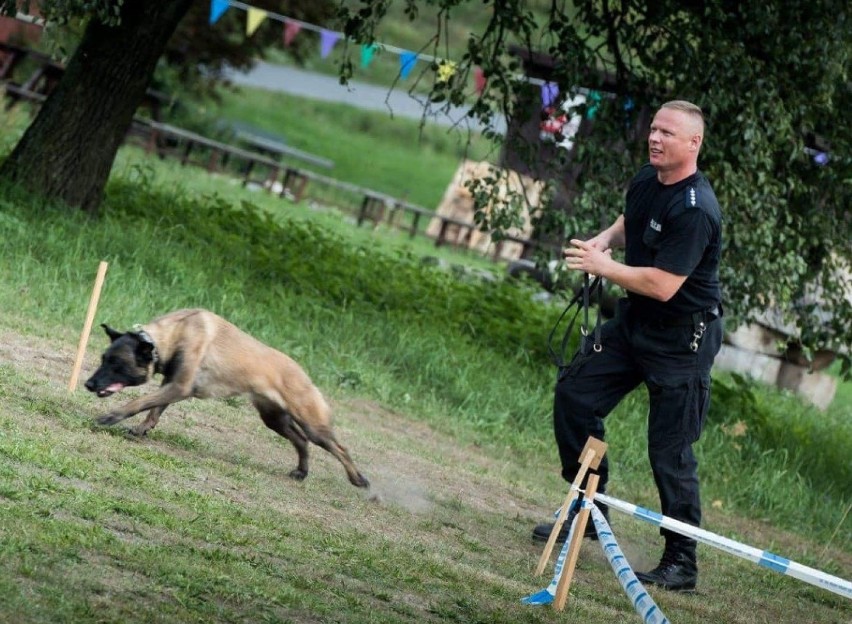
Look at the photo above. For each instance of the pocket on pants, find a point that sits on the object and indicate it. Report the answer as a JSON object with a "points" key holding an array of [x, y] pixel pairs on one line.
{"points": [[678, 406]]}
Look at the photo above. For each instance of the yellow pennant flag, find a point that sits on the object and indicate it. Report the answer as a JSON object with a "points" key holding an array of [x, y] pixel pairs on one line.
{"points": [[254, 19], [446, 70]]}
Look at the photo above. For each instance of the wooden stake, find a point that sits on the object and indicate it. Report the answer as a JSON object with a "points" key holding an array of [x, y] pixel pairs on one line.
{"points": [[87, 327], [574, 548], [591, 457]]}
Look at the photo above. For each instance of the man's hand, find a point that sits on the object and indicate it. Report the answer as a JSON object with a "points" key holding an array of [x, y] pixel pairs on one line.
{"points": [[599, 242], [592, 256]]}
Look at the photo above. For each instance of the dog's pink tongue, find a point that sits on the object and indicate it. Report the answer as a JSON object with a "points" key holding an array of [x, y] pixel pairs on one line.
{"points": [[115, 387]]}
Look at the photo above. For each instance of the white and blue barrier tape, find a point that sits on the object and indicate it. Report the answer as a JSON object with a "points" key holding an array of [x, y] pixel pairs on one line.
{"points": [[642, 602], [548, 594], [761, 557]]}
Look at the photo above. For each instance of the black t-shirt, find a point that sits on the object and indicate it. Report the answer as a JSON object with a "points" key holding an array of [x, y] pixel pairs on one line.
{"points": [[676, 228]]}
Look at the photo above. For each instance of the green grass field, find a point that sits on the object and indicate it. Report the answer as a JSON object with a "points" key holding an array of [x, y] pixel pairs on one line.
{"points": [[442, 392]]}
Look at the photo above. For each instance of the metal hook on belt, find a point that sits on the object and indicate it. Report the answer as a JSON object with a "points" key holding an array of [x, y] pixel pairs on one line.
{"points": [[697, 335]]}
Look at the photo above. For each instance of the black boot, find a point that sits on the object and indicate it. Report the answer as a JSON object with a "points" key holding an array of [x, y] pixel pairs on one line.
{"points": [[677, 571], [541, 533]]}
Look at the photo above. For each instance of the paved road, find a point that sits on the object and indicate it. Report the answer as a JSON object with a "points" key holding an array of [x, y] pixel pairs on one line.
{"points": [[321, 87]]}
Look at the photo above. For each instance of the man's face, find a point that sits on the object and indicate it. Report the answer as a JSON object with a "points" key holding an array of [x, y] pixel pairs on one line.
{"points": [[674, 140]]}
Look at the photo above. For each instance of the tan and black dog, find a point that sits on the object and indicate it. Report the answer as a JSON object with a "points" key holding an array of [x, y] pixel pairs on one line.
{"points": [[201, 355]]}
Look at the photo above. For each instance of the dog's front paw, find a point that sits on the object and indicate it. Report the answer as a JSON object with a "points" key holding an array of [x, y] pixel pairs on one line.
{"points": [[110, 419], [139, 431]]}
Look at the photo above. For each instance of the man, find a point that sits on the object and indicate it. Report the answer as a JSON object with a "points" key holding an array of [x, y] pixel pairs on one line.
{"points": [[666, 333]]}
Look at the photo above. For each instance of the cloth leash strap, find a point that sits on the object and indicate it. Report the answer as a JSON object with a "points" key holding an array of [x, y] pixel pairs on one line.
{"points": [[580, 301]]}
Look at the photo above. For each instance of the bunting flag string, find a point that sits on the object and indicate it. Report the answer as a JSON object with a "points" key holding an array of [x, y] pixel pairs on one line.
{"points": [[446, 69], [407, 59], [329, 38], [218, 8]]}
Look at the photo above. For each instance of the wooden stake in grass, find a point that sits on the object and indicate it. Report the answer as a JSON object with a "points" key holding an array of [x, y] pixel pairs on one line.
{"points": [[591, 457], [87, 327], [574, 548]]}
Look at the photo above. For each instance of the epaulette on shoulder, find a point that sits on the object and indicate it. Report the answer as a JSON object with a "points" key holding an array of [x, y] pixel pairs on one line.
{"points": [[691, 196]]}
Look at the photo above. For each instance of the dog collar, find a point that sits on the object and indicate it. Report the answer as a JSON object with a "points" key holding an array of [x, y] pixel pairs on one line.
{"points": [[146, 337]]}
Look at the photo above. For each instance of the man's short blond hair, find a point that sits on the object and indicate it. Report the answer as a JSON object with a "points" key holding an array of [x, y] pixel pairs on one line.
{"points": [[690, 109]]}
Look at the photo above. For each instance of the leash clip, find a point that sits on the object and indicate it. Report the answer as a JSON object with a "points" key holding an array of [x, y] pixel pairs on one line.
{"points": [[697, 335]]}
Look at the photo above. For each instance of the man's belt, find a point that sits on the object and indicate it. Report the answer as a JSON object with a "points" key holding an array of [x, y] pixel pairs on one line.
{"points": [[687, 320]]}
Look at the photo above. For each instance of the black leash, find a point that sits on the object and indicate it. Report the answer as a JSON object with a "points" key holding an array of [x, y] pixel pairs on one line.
{"points": [[580, 301]]}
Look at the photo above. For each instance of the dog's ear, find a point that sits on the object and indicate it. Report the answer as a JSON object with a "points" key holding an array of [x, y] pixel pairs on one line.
{"points": [[113, 335]]}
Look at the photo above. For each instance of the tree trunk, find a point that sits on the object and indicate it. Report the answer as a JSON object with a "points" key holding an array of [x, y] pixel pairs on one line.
{"points": [[67, 152]]}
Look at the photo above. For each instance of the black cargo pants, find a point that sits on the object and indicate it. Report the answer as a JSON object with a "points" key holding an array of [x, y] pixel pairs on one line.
{"points": [[678, 383]]}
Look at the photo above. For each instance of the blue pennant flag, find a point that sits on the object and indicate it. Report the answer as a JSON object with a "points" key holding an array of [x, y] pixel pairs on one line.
{"points": [[407, 61], [217, 9]]}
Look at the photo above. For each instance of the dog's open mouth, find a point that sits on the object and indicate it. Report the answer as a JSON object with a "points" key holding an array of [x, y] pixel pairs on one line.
{"points": [[110, 389]]}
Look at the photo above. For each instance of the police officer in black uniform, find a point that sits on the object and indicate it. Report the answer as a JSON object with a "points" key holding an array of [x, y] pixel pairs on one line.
{"points": [[665, 335]]}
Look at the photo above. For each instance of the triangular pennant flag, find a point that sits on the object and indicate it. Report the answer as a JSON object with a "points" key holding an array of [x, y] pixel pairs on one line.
{"points": [[327, 41], [446, 70], [217, 9], [254, 18], [479, 80], [549, 91], [407, 61], [595, 98], [367, 52], [291, 29]]}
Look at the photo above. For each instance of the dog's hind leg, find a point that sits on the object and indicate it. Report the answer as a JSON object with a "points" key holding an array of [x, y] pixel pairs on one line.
{"points": [[323, 437], [281, 422]]}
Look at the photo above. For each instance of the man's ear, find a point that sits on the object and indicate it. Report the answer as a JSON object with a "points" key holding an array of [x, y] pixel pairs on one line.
{"points": [[113, 335], [695, 142]]}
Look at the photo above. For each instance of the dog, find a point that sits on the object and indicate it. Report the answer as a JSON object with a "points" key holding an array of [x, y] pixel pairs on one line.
{"points": [[201, 355]]}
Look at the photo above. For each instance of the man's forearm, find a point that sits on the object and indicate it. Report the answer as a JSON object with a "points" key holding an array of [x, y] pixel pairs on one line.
{"points": [[648, 281]]}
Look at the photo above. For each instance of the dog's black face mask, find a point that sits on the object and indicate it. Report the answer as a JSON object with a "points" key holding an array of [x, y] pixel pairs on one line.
{"points": [[128, 361]]}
